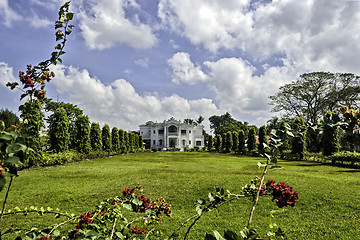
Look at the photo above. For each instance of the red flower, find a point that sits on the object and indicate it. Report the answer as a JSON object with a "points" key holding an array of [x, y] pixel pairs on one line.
{"points": [[282, 194], [137, 230], [44, 238], [128, 191]]}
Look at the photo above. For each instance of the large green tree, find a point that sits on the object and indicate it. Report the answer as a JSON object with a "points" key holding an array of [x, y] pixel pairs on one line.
{"points": [[72, 112], [9, 118], [310, 96], [225, 123]]}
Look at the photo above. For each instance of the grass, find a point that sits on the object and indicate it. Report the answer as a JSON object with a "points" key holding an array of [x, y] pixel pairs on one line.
{"points": [[328, 208]]}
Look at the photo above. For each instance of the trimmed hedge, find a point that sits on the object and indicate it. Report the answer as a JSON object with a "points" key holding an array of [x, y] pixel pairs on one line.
{"points": [[345, 156], [61, 158]]}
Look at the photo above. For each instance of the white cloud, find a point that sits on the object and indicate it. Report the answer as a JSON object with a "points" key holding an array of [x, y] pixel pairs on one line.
{"points": [[144, 62], [184, 70], [236, 89], [8, 15], [118, 104], [104, 25], [314, 34], [211, 23], [6, 74], [38, 22]]}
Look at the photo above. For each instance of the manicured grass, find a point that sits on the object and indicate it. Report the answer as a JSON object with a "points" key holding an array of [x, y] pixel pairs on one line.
{"points": [[328, 208]]}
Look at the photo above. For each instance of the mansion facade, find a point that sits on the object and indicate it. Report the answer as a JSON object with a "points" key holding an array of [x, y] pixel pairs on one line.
{"points": [[172, 134]]}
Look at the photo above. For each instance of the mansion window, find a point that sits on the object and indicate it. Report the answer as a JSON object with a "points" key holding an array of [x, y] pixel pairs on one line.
{"points": [[198, 143], [183, 132]]}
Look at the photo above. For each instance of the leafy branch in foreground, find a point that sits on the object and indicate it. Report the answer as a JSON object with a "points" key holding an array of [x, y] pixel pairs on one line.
{"points": [[33, 79], [282, 195]]}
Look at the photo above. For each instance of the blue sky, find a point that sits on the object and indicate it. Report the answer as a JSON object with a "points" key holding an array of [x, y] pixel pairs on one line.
{"points": [[131, 61]]}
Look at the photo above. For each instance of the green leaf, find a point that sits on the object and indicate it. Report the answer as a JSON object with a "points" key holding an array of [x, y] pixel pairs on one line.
{"points": [[69, 16], [275, 167], [137, 202], [16, 147], [127, 206], [2, 182], [230, 235], [259, 164], [209, 237], [91, 234], [10, 174], [58, 46], [218, 236], [14, 160], [6, 136], [56, 233], [2, 126]]}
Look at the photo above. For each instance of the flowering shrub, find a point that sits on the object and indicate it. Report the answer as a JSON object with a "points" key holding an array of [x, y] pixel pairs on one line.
{"points": [[282, 194]]}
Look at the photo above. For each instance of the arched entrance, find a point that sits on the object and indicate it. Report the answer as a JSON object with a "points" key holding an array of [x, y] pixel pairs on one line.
{"points": [[172, 142]]}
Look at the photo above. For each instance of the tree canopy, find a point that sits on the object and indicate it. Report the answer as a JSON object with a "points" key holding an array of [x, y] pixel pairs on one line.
{"points": [[225, 123], [310, 96]]}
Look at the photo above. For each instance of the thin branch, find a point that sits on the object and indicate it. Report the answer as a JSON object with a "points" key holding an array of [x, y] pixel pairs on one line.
{"points": [[6, 197], [60, 224], [196, 215], [148, 233], [113, 228], [187, 232], [36, 211], [257, 196], [134, 221], [235, 196]]}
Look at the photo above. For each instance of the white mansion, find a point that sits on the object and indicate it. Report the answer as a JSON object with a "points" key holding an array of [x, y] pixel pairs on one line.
{"points": [[172, 134]]}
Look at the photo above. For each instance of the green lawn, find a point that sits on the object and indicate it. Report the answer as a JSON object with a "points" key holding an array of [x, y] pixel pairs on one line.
{"points": [[328, 208]]}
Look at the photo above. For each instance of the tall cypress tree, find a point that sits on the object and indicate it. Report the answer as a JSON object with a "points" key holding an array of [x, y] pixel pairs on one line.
{"points": [[298, 141], [210, 143], [330, 137], [251, 141], [95, 136], [262, 139], [82, 124], [284, 138], [115, 139], [218, 144], [242, 142], [235, 139], [123, 148], [141, 143], [106, 138], [229, 142], [59, 131], [126, 142]]}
